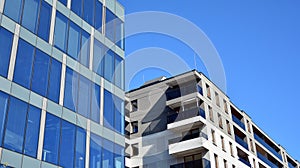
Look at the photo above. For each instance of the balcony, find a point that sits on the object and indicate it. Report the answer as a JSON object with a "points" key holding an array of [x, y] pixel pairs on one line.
{"points": [[245, 162], [193, 164], [272, 150], [185, 118], [264, 159], [238, 122], [187, 144], [241, 142]]}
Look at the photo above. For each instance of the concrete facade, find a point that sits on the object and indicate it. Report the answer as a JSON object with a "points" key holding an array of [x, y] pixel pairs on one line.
{"points": [[187, 121]]}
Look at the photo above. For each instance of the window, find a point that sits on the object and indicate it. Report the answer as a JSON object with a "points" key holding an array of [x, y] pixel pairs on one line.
{"points": [[225, 106], [76, 7], [67, 144], [119, 156], [223, 143], [24, 63], [107, 153], [3, 109], [208, 91], [114, 28], [220, 121], [85, 49], [119, 71], [88, 11], [45, 19], [231, 149], [54, 80], [98, 62], [84, 96], [95, 151], [216, 161], [135, 127], [6, 39], [32, 131], [135, 149], [13, 9], [30, 15], [119, 33], [109, 65], [74, 41], [225, 163], [63, 2], [119, 115], [98, 15], [15, 125], [213, 137], [51, 139], [217, 99], [211, 114], [228, 127], [61, 31], [95, 100], [80, 148], [71, 89], [134, 105], [108, 110]]}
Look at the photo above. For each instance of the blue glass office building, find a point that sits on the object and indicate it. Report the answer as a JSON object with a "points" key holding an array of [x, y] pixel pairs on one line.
{"points": [[61, 83]]}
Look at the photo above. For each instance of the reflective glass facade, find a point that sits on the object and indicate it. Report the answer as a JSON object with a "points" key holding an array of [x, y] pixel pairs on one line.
{"points": [[62, 83]]}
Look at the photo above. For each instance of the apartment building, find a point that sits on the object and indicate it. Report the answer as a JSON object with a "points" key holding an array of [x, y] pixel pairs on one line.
{"points": [[61, 84], [187, 122]]}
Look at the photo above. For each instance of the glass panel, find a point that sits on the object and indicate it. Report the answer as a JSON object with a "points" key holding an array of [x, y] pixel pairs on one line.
{"points": [[45, 19], [71, 89], [3, 109], [107, 153], [108, 110], [64, 2], [6, 39], [119, 72], [51, 139], [24, 61], [80, 148], [119, 33], [67, 145], [74, 41], [119, 156], [32, 131], [13, 9], [98, 62], [40, 73], [109, 65], [54, 81], [95, 151], [119, 115], [30, 15], [85, 49], [95, 99], [84, 96], [98, 16], [15, 125], [76, 7], [60, 32], [88, 11], [109, 25]]}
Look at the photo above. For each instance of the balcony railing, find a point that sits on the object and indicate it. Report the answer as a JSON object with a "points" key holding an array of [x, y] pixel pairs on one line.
{"points": [[241, 142], [188, 137], [245, 162], [193, 164], [260, 140], [238, 122], [186, 114], [264, 159]]}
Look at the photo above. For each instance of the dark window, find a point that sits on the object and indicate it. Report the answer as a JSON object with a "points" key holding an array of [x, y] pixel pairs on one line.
{"points": [[98, 15], [15, 125], [24, 62], [32, 131], [134, 105], [61, 31], [109, 65], [74, 41], [67, 144], [85, 49], [119, 156], [84, 96], [119, 115], [95, 151], [80, 148], [119, 71], [44, 21], [64, 2], [6, 39], [108, 109], [98, 61], [71, 89], [88, 11], [95, 99], [54, 80], [135, 127], [76, 7], [13, 9], [51, 139], [107, 153], [110, 25]]}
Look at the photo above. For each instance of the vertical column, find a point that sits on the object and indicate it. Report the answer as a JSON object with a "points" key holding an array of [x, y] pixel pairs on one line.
{"points": [[2, 5], [62, 80], [102, 102], [13, 53], [87, 149], [103, 16], [69, 4], [92, 48], [51, 33], [42, 130]]}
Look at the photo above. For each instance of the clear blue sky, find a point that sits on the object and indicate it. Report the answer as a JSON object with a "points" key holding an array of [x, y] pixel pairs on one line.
{"points": [[259, 45]]}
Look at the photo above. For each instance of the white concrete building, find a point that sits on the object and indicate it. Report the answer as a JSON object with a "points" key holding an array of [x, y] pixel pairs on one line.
{"points": [[186, 121]]}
